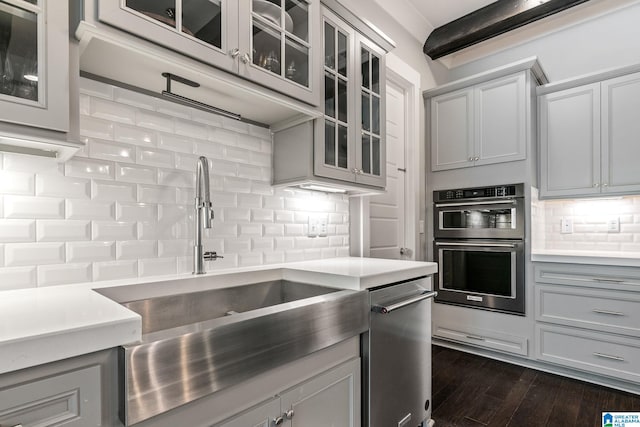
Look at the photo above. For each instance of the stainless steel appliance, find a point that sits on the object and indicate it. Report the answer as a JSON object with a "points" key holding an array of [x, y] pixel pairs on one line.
{"points": [[479, 246], [397, 355]]}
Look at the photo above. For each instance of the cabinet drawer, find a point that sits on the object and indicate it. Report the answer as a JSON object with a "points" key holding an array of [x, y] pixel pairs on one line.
{"points": [[601, 310], [482, 338], [72, 399], [592, 276], [590, 351]]}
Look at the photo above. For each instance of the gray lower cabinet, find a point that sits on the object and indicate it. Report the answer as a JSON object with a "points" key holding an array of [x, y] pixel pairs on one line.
{"points": [[588, 318], [329, 399], [76, 392], [588, 133]]}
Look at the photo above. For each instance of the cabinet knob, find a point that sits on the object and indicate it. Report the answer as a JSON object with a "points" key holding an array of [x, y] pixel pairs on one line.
{"points": [[278, 421], [475, 159], [596, 185], [471, 159], [234, 53], [245, 58], [605, 185], [289, 414]]}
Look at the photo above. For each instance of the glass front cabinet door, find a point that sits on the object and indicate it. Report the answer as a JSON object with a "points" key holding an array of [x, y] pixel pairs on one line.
{"points": [[34, 63], [350, 143]]}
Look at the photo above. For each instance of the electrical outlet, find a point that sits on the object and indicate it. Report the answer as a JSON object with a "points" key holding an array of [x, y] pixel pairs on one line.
{"points": [[313, 226], [323, 220], [613, 225], [566, 225]]}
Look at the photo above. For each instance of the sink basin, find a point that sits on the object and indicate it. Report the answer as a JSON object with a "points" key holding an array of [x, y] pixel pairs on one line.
{"points": [[196, 343]]}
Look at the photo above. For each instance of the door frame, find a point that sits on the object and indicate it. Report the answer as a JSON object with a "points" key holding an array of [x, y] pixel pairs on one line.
{"points": [[408, 79]]}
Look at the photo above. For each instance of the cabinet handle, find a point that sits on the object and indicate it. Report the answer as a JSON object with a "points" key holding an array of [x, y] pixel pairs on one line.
{"points": [[234, 53], [475, 337], [278, 421], [608, 356], [611, 313], [289, 414]]}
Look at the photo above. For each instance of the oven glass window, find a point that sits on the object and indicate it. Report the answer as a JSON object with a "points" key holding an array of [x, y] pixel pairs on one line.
{"points": [[477, 271], [477, 218]]}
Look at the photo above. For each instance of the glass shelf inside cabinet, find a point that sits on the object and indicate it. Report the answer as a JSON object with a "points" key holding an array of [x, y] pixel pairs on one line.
{"points": [[201, 19], [19, 67], [281, 38]]}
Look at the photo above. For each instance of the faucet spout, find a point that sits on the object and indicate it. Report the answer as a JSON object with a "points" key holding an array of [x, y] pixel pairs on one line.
{"points": [[204, 216]]}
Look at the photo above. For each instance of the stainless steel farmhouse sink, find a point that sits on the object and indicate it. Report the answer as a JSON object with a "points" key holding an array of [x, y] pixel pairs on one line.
{"points": [[196, 343]]}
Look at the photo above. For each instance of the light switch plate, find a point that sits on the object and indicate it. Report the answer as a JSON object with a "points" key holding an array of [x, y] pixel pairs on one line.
{"points": [[613, 225], [566, 225], [323, 220], [313, 226]]}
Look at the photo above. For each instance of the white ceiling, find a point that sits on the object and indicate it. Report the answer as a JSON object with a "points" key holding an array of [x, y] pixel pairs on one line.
{"points": [[438, 12]]}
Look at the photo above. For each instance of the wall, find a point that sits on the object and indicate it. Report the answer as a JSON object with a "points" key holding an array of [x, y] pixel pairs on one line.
{"points": [[590, 217], [123, 207]]}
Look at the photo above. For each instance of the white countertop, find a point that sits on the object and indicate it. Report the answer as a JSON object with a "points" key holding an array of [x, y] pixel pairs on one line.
{"points": [[622, 259], [43, 325]]}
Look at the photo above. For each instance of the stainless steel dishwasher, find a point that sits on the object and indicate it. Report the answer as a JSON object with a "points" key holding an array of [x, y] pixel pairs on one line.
{"points": [[397, 355]]}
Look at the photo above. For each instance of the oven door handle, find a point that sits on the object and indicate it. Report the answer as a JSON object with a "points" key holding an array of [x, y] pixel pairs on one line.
{"points": [[386, 309], [480, 245], [487, 202]]}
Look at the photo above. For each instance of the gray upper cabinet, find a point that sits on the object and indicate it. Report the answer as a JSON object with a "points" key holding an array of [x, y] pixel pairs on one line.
{"points": [[34, 64], [588, 134], [270, 42], [345, 148], [481, 124]]}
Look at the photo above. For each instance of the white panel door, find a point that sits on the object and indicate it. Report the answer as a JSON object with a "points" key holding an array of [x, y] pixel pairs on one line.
{"points": [[259, 416], [387, 211], [570, 142], [452, 130], [620, 134]]}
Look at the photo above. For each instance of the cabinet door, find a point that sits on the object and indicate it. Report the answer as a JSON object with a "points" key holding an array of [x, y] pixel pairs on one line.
{"points": [[370, 141], [330, 399], [452, 130], [620, 134], [34, 63], [570, 142], [501, 120], [262, 415], [277, 41], [206, 30], [334, 151]]}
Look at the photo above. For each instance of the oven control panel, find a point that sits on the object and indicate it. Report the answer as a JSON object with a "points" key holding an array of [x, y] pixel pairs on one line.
{"points": [[513, 190]]}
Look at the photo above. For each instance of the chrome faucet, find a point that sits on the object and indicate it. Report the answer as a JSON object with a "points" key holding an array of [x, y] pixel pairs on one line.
{"points": [[204, 215]]}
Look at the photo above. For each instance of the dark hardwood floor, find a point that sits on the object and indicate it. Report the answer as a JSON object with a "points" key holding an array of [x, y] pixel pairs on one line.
{"points": [[473, 391]]}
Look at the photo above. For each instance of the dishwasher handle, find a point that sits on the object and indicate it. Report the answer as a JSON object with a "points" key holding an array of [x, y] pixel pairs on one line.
{"points": [[386, 309]]}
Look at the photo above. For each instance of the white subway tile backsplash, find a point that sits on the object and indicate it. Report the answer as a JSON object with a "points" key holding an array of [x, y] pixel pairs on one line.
{"points": [[91, 251], [112, 111], [17, 230], [157, 267], [114, 230], [342, 251], [54, 230], [88, 168], [175, 178], [136, 249], [17, 254], [175, 143], [61, 186], [156, 194], [31, 164], [64, 274], [136, 174], [18, 207], [128, 198], [155, 121], [135, 135], [109, 150], [114, 270], [18, 278], [20, 183], [154, 157], [136, 212], [96, 128]]}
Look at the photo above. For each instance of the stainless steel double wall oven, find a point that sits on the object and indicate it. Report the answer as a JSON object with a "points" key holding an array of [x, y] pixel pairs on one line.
{"points": [[479, 247]]}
